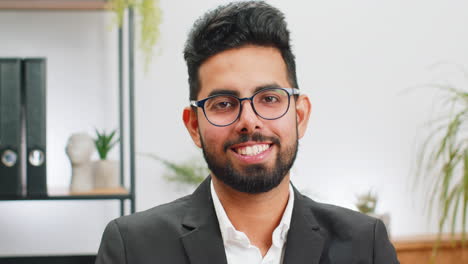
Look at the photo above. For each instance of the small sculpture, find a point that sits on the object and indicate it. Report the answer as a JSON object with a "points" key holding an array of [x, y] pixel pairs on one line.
{"points": [[79, 149]]}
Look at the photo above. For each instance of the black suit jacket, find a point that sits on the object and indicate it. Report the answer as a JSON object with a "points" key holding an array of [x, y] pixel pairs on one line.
{"points": [[187, 231]]}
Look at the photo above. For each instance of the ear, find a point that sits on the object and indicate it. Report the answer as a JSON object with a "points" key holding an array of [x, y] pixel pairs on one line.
{"points": [[191, 123], [303, 109]]}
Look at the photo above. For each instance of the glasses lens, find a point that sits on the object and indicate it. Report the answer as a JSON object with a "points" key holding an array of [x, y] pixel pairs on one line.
{"points": [[222, 109], [271, 103]]}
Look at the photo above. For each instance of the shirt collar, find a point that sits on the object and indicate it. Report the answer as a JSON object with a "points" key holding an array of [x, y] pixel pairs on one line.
{"points": [[230, 234]]}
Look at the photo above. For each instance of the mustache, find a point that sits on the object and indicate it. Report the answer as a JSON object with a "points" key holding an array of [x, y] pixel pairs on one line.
{"points": [[256, 137]]}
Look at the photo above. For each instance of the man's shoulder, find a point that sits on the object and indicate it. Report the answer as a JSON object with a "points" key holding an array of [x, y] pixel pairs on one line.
{"points": [[165, 214], [340, 220], [349, 234], [334, 211], [153, 234]]}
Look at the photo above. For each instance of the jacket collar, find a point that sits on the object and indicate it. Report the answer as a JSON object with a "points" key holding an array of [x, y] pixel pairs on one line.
{"points": [[204, 244], [305, 242]]}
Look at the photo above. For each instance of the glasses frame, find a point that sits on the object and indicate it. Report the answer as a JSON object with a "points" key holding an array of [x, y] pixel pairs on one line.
{"points": [[201, 103]]}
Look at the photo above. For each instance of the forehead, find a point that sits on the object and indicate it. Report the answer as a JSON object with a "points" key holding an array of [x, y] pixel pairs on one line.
{"points": [[242, 70]]}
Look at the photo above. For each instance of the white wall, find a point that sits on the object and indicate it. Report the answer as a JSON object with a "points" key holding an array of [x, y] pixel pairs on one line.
{"points": [[355, 60]]}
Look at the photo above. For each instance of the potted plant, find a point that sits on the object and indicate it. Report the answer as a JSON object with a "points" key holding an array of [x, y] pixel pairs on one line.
{"points": [[443, 161], [190, 173], [149, 21], [366, 204], [106, 172]]}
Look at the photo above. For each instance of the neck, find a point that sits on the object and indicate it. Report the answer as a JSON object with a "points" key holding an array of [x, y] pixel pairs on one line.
{"points": [[257, 215]]}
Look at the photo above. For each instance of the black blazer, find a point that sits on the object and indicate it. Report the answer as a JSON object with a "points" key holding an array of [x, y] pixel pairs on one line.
{"points": [[187, 231]]}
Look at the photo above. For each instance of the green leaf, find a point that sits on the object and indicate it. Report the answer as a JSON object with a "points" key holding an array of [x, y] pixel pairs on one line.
{"points": [[465, 196], [457, 192], [104, 143]]}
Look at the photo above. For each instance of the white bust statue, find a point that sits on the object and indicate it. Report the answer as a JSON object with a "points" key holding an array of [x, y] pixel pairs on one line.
{"points": [[79, 149]]}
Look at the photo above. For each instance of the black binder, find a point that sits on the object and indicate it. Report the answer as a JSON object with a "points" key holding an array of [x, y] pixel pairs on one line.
{"points": [[34, 83], [10, 127]]}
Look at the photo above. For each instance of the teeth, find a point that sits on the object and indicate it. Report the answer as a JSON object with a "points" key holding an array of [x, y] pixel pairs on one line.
{"points": [[252, 150]]}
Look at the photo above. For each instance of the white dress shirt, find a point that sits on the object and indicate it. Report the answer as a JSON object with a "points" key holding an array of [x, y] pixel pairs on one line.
{"points": [[237, 245]]}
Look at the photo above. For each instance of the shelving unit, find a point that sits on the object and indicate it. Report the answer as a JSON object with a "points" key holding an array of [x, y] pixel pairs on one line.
{"points": [[120, 194]]}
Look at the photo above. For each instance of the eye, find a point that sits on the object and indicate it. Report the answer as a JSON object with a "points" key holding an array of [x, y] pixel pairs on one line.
{"points": [[221, 104], [270, 99]]}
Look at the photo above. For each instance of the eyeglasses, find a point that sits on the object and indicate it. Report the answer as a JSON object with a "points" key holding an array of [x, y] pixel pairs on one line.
{"points": [[224, 109]]}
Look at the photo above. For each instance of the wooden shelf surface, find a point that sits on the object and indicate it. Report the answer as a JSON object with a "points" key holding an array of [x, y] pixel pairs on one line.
{"points": [[54, 4], [99, 191]]}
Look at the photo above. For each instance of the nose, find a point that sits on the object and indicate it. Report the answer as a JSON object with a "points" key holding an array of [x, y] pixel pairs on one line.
{"points": [[248, 120]]}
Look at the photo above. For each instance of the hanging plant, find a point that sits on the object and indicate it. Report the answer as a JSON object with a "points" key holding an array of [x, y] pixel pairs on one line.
{"points": [[149, 15]]}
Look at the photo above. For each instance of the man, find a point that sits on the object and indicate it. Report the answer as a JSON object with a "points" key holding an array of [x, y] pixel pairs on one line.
{"points": [[247, 115]]}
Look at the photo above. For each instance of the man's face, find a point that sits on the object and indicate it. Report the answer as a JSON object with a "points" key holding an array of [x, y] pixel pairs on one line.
{"points": [[251, 155]]}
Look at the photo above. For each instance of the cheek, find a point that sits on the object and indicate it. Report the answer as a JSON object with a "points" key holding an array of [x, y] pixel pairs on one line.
{"points": [[285, 127], [214, 137]]}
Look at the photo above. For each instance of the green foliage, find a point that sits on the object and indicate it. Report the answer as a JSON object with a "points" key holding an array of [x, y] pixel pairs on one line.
{"points": [[150, 19], [443, 160], [367, 202], [104, 143], [191, 172]]}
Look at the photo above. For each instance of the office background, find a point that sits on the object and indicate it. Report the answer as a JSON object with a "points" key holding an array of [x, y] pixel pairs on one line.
{"points": [[357, 60]]}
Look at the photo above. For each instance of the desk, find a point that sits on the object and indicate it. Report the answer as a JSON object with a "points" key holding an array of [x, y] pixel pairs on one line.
{"points": [[418, 250]]}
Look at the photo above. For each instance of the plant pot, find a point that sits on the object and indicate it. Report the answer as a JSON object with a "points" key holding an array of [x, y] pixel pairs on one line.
{"points": [[106, 174]]}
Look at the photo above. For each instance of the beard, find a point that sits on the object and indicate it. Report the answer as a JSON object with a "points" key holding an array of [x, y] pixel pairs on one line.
{"points": [[256, 178]]}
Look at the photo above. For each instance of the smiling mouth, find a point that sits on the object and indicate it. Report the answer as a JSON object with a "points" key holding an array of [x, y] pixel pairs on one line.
{"points": [[251, 150]]}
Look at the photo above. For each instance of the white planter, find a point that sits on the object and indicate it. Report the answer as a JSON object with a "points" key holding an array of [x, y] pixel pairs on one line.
{"points": [[106, 174]]}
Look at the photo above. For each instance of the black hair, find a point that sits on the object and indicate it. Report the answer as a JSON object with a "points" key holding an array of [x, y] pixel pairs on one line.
{"points": [[232, 26]]}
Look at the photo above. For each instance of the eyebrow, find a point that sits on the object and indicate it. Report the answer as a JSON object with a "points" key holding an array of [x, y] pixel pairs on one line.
{"points": [[223, 91], [236, 93]]}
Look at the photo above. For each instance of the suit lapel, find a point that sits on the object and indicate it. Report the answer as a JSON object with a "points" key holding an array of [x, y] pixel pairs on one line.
{"points": [[203, 242], [304, 242]]}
